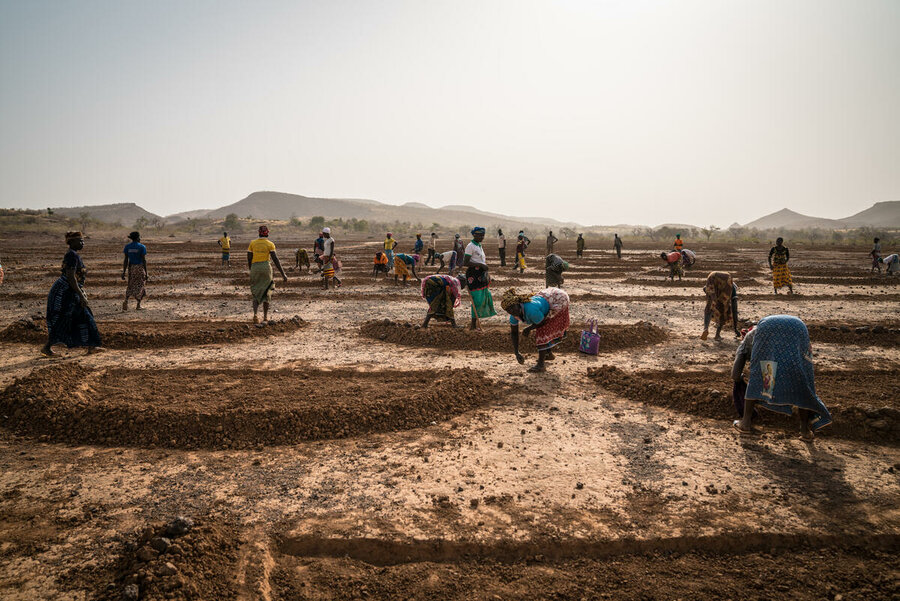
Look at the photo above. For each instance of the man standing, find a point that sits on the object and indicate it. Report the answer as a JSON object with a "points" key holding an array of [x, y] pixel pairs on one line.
{"points": [[431, 250], [458, 246], [579, 246], [678, 244], [501, 247], [136, 265], [617, 243], [225, 243], [551, 240], [328, 260], [419, 246], [521, 245]]}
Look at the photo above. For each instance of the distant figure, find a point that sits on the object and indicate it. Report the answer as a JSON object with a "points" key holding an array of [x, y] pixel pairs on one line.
{"points": [[329, 261], [301, 259], [449, 259], [525, 238], [688, 257], [318, 247], [673, 260], [876, 254], [553, 270], [779, 256], [380, 264], [69, 317], [579, 246], [678, 244], [419, 246], [521, 245], [617, 244], [721, 304], [443, 294], [551, 240], [892, 262], [403, 265], [501, 247], [432, 249], [135, 265], [389, 245], [458, 246], [262, 284], [781, 375], [225, 244]]}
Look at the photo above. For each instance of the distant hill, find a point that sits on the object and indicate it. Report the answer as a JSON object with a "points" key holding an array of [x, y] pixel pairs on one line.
{"points": [[283, 206], [125, 213], [881, 214]]}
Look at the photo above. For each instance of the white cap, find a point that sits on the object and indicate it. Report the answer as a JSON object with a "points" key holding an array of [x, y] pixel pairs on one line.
{"points": [[326, 230]]}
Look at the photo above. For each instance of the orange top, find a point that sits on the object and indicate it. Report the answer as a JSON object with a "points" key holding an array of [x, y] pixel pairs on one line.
{"points": [[678, 244], [380, 259]]}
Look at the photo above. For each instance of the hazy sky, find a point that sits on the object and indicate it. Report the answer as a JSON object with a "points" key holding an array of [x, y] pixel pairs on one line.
{"points": [[598, 112]]}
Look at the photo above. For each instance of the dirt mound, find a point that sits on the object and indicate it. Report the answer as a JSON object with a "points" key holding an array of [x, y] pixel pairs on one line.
{"points": [[865, 404], [869, 335], [223, 408], [613, 337], [162, 564], [158, 334]]}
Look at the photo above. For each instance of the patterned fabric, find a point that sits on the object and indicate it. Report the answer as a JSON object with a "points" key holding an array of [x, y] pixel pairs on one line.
{"points": [[400, 267], [442, 293], [781, 369], [781, 276], [676, 269], [67, 321], [554, 269], [718, 289], [261, 282], [520, 261], [302, 258], [137, 276], [554, 329]]}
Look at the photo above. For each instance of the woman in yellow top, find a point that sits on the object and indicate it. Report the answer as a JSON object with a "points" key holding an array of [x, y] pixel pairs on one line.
{"points": [[261, 282]]}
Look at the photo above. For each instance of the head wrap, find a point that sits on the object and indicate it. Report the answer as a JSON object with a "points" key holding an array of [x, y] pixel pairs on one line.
{"points": [[416, 258], [511, 297], [390, 234], [326, 230], [263, 231], [73, 236], [478, 230], [457, 236], [134, 235]]}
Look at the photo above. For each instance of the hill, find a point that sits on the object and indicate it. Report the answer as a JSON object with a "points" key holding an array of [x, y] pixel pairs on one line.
{"points": [[125, 213], [283, 206], [881, 214]]}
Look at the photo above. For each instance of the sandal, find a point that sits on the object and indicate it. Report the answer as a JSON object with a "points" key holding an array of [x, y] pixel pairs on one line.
{"points": [[736, 424]]}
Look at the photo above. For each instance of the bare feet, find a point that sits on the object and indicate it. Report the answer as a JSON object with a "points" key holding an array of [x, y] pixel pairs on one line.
{"points": [[704, 335], [537, 369], [736, 424], [47, 351], [255, 319]]}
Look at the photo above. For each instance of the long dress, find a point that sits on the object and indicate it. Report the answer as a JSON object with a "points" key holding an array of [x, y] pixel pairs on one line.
{"points": [[67, 321]]}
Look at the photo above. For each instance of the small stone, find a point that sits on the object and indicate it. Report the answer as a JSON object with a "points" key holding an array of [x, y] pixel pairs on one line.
{"points": [[174, 549], [180, 526], [579, 485], [473, 503], [499, 445], [167, 569], [160, 543], [131, 592], [146, 554]]}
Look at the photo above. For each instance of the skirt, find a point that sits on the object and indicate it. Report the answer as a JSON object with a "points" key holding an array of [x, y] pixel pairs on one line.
{"points": [[676, 269], [400, 267], [553, 331], [67, 321], [781, 276], [137, 276], [718, 289], [440, 301], [520, 261], [261, 282]]}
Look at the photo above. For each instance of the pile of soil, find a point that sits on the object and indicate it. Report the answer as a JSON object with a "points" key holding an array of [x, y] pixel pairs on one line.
{"points": [[158, 334], [613, 337], [163, 564], [865, 404], [239, 408], [868, 334]]}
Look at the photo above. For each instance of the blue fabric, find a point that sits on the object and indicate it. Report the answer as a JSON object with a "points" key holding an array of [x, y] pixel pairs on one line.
{"points": [[419, 246], [67, 321], [135, 253], [406, 259], [536, 311], [781, 369]]}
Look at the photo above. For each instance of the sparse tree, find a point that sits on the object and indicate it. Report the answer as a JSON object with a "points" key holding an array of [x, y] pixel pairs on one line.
{"points": [[317, 222], [85, 218], [232, 221], [709, 230], [141, 223], [49, 212]]}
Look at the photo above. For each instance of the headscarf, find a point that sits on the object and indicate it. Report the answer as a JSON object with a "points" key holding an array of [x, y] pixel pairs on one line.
{"points": [[478, 230], [73, 236], [417, 258], [511, 297], [326, 230], [263, 231]]}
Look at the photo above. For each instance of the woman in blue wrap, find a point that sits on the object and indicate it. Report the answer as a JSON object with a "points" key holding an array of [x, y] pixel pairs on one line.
{"points": [[781, 374]]}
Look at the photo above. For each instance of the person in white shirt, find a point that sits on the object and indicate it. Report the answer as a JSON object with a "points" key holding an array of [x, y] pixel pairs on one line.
{"points": [[478, 280], [501, 247]]}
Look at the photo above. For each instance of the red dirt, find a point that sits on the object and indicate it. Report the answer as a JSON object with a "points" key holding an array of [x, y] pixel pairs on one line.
{"points": [[196, 408], [864, 404], [496, 338], [158, 334]]}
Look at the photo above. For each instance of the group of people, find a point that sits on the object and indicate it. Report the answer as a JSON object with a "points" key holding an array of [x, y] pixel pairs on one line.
{"points": [[890, 262]]}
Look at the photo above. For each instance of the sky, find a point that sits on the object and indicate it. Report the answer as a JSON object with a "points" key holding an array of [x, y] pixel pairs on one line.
{"points": [[593, 111]]}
